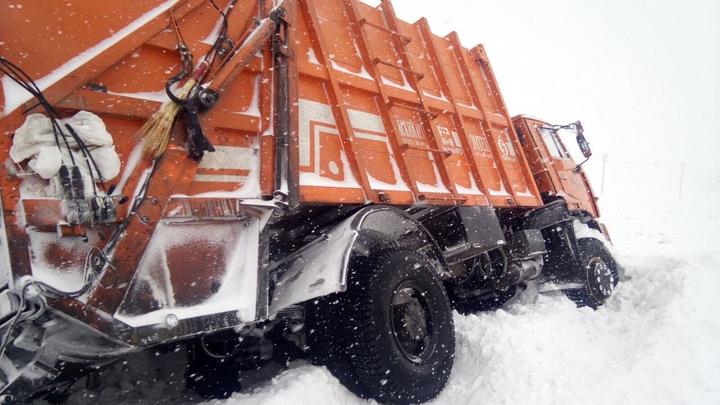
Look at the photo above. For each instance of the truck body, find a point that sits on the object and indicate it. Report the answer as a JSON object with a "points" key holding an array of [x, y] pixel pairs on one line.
{"points": [[341, 137]]}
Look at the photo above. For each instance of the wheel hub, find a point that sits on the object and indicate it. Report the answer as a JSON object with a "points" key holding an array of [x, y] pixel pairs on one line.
{"points": [[600, 279], [412, 323]]}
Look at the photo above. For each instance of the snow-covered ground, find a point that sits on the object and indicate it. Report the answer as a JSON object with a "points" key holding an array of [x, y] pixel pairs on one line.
{"points": [[655, 342]]}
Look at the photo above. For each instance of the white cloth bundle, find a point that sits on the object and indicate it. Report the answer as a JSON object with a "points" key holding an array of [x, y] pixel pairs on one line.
{"points": [[35, 140]]}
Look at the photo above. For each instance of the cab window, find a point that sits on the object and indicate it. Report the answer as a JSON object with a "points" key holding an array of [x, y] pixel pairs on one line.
{"points": [[556, 149]]}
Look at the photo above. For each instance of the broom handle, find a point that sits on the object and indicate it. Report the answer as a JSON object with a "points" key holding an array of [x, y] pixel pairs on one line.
{"points": [[200, 71], [187, 85]]}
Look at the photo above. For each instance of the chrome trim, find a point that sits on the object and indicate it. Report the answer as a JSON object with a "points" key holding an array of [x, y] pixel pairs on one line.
{"points": [[5, 264]]}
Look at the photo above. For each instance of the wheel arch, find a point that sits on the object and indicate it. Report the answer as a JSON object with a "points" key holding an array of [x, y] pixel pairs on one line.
{"points": [[591, 223], [385, 228], [321, 267]]}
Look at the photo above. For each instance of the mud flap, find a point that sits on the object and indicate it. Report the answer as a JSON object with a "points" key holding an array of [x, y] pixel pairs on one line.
{"points": [[194, 269], [317, 270]]}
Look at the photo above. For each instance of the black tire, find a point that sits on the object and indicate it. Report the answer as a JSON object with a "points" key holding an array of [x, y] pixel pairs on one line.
{"points": [[598, 274], [395, 340], [324, 339]]}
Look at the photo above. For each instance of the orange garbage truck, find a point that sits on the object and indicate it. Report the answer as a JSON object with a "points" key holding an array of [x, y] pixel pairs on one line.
{"points": [[223, 174]]}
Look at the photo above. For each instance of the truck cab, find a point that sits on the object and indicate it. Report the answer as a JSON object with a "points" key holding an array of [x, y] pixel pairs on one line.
{"points": [[555, 171]]}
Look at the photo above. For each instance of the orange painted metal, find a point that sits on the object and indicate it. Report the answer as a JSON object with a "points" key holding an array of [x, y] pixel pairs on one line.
{"points": [[381, 111], [120, 82], [242, 55], [427, 122], [555, 171]]}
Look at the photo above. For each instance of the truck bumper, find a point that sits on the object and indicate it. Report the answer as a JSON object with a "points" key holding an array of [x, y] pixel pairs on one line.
{"points": [[39, 341]]}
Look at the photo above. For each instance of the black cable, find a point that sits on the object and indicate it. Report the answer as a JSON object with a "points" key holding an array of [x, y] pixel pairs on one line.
{"points": [[222, 35], [209, 57], [133, 211], [26, 82], [210, 354], [186, 62], [13, 324], [45, 290], [34, 91], [89, 156]]}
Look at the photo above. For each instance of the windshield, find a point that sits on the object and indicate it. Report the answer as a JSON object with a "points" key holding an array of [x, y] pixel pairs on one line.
{"points": [[553, 143]]}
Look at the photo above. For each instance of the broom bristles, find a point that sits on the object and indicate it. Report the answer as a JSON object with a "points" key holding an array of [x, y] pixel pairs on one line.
{"points": [[156, 130]]}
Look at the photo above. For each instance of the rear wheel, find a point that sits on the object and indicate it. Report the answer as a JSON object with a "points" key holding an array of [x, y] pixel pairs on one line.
{"points": [[598, 274], [324, 338], [394, 337]]}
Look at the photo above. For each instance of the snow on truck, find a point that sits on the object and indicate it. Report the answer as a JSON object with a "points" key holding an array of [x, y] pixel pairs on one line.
{"points": [[224, 174]]}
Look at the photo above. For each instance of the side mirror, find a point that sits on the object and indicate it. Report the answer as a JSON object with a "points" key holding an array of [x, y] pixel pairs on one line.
{"points": [[584, 145], [581, 141]]}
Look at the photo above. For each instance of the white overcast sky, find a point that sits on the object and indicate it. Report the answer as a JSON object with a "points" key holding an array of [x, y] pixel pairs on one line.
{"points": [[642, 75]]}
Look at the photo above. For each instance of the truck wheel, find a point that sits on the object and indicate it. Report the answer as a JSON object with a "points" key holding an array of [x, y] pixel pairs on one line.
{"points": [[598, 274], [324, 339], [397, 328]]}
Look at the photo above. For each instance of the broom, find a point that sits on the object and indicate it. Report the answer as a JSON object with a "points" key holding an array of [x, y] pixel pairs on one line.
{"points": [[156, 130]]}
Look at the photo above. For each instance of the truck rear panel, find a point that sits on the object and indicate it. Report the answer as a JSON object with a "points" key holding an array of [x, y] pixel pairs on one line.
{"points": [[380, 110]]}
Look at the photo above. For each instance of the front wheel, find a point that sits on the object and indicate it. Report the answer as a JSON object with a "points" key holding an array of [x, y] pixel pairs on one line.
{"points": [[396, 329], [598, 274]]}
